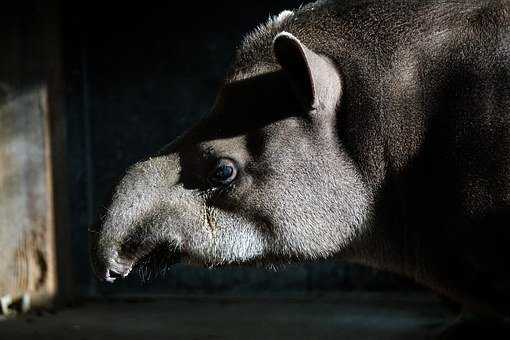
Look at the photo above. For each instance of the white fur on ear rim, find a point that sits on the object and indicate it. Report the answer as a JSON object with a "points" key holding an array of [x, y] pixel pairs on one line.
{"points": [[286, 34], [268, 28], [283, 15]]}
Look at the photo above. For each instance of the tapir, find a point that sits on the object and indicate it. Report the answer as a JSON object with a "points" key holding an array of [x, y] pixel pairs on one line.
{"points": [[374, 132]]}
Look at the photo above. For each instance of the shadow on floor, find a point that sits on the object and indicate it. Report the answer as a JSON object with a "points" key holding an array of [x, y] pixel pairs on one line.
{"points": [[346, 316]]}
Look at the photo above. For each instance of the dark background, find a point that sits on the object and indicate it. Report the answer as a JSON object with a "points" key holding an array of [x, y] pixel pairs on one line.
{"points": [[136, 76]]}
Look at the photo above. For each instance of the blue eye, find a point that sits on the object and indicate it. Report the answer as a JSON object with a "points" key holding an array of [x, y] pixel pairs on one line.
{"points": [[224, 172]]}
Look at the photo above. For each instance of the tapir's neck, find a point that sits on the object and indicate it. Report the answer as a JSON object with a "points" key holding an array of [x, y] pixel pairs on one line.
{"points": [[391, 241], [399, 242]]}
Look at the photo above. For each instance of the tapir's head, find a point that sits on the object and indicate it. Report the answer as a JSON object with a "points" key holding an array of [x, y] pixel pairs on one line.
{"points": [[263, 178]]}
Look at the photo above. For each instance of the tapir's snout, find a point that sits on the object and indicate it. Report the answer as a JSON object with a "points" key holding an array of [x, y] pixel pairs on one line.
{"points": [[108, 260], [112, 266], [137, 227]]}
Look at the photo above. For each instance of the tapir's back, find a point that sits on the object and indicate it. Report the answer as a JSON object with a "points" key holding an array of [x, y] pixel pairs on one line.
{"points": [[442, 97], [460, 179]]}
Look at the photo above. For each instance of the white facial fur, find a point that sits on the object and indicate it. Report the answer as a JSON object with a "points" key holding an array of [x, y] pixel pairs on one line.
{"points": [[302, 199]]}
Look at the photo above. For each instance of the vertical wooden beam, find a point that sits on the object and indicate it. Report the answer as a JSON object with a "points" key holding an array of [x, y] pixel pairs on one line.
{"points": [[60, 227], [33, 250]]}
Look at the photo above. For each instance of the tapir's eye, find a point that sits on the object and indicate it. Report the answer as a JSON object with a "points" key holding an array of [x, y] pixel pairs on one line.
{"points": [[224, 173]]}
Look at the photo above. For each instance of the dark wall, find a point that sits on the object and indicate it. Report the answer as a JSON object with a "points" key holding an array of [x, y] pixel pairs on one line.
{"points": [[136, 77]]}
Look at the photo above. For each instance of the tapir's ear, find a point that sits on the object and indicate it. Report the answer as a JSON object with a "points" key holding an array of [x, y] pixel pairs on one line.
{"points": [[314, 77]]}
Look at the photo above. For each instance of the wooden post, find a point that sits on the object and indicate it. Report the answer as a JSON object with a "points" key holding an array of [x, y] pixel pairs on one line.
{"points": [[34, 254]]}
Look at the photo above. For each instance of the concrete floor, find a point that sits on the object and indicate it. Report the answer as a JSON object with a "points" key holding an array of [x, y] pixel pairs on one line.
{"points": [[347, 316]]}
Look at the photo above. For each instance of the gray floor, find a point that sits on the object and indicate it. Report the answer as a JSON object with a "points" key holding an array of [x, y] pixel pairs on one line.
{"points": [[347, 316]]}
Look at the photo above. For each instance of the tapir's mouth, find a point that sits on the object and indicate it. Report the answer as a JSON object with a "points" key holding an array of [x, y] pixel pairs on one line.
{"points": [[147, 259]]}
